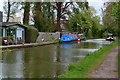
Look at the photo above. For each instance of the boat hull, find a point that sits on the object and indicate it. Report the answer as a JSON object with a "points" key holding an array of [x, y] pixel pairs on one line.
{"points": [[68, 38], [110, 39]]}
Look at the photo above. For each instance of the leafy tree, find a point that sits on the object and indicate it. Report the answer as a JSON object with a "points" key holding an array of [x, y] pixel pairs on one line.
{"points": [[111, 17], [10, 8], [26, 13]]}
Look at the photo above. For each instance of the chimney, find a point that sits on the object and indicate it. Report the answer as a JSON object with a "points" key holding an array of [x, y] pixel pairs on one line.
{"points": [[1, 16]]}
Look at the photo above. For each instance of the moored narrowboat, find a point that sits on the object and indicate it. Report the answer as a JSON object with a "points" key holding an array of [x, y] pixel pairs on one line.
{"points": [[68, 37]]}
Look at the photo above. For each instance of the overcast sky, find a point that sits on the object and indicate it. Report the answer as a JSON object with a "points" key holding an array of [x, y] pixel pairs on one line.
{"points": [[1, 5], [97, 4]]}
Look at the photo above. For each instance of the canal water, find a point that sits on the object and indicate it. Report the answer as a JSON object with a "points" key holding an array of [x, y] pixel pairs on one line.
{"points": [[47, 61]]}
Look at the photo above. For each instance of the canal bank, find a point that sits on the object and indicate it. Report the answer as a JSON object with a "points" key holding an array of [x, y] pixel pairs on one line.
{"points": [[89, 63], [28, 45]]}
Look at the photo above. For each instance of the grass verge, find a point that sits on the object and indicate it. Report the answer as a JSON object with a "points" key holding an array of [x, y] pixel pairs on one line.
{"points": [[90, 62], [47, 41]]}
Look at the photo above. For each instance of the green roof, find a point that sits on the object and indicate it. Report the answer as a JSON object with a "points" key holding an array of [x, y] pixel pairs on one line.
{"points": [[17, 24], [8, 24]]}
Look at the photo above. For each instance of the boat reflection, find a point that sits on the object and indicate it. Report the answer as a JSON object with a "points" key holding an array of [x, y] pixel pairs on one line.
{"points": [[68, 45]]}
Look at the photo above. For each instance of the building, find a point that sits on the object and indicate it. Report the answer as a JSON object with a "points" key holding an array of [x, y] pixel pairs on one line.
{"points": [[15, 31], [16, 18]]}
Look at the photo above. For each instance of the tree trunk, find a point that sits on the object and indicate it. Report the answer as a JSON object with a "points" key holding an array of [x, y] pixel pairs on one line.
{"points": [[37, 15], [48, 5], [8, 13], [58, 26], [26, 13]]}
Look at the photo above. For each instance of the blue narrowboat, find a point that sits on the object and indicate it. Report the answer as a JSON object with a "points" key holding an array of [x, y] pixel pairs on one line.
{"points": [[67, 37]]}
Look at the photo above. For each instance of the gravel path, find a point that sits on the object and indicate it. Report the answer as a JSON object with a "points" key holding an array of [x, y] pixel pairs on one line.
{"points": [[108, 69]]}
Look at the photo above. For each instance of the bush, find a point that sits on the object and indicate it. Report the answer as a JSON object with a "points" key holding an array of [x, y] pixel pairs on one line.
{"points": [[31, 34]]}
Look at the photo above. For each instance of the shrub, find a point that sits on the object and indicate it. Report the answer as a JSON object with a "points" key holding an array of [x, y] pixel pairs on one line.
{"points": [[31, 34]]}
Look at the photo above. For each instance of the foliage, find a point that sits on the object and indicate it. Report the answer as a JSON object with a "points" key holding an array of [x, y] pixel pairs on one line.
{"points": [[44, 16], [91, 61], [6, 51], [85, 22], [31, 34], [9, 39], [111, 18]]}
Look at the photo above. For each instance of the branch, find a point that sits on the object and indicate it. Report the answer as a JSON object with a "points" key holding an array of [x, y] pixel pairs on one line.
{"points": [[66, 6]]}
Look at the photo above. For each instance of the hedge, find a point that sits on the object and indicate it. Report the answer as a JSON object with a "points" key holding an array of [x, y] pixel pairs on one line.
{"points": [[31, 34]]}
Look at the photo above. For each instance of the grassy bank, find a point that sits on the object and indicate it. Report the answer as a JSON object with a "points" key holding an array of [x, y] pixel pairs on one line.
{"points": [[90, 62], [47, 41]]}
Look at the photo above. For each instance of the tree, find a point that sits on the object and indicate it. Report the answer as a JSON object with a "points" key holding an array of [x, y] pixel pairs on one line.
{"points": [[37, 15], [111, 18], [26, 13], [10, 8], [63, 10], [8, 14]]}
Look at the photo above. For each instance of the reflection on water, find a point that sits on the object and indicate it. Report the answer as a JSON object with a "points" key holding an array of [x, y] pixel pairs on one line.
{"points": [[47, 61]]}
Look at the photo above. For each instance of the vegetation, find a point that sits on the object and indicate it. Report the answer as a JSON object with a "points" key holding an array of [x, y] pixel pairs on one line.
{"points": [[31, 34], [85, 22], [111, 18], [91, 61], [5, 51], [9, 39], [26, 13], [10, 8], [69, 16], [47, 41]]}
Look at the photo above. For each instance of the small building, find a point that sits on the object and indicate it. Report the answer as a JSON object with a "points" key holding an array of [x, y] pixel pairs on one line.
{"points": [[15, 31]]}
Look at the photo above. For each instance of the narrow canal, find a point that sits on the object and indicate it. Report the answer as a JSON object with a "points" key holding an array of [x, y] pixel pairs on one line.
{"points": [[47, 61]]}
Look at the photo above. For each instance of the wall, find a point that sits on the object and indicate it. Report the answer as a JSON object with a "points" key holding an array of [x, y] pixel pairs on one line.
{"points": [[48, 36]]}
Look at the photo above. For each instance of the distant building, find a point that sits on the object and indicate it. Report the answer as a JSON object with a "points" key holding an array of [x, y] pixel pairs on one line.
{"points": [[16, 18]]}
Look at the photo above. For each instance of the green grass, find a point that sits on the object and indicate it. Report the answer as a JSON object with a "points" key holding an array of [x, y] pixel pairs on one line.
{"points": [[90, 62], [47, 41]]}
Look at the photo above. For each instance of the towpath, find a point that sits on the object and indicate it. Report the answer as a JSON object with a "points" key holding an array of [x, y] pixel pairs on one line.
{"points": [[109, 67]]}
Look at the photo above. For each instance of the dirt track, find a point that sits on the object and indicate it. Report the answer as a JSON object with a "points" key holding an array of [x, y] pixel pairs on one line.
{"points": [[108, 69]]}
